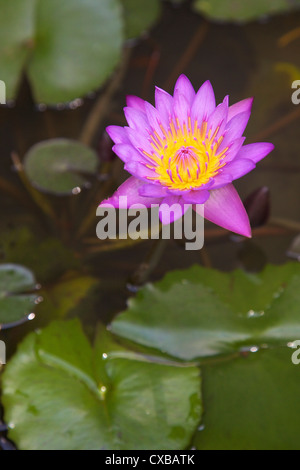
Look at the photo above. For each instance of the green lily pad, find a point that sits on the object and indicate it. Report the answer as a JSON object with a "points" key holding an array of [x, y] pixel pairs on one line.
{"points": [[16, 303], [232, 10], [251, 403], [139, 16], [59, 165], [60, 393], [67, 49], [203, 312]]}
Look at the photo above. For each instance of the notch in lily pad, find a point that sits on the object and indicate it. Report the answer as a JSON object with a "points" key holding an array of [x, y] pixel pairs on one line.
{"points": [[60, 166], [18, 296]]}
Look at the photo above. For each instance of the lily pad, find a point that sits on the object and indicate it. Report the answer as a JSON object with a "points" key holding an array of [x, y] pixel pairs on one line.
{"points": [[203, 312], [139, 16], [16, 299], [66, 49], [60, 393], [232, 10], [251, 403], [60, 165]]}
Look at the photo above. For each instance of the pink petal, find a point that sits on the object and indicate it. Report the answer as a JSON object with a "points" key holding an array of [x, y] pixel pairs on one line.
{"points": [[256, 151], [128, 194], [171, 209], [225, 208], [221, 180], [139, 139], [218, 119], [239, 167], [128, 153], [154, 118], [140, 170], [153, 190], [135, 102], [236, 126], [204, 103], [118, 134], [240, 107], [184, 87], [196, 197], [164, 105], [234, 129], [233, 149], [136, 119], [181, 108]]}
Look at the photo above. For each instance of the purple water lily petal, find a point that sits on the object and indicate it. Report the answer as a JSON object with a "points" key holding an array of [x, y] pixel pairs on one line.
{"points": [[128, 153], [118, 134], [153, 190], [225, 208], [240, 107], [239, 167], [196, 197], [174, 209], [184, 87], [182, 108], [135, 102], [164, 104], [128, 194], [204, 103], [136, 118], [256, 151]]}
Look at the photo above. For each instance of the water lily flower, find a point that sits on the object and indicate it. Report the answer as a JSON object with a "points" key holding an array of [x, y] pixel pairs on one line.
{"points": [[186, 151]]}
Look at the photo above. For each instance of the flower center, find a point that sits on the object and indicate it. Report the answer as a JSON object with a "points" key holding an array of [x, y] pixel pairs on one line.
{"points": [[185, 157]]}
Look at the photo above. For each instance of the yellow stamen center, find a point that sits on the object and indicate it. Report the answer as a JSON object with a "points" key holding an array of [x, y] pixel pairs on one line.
{"points": [[185, 157]]}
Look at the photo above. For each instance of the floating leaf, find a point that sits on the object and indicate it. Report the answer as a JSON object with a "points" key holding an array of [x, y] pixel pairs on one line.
{"points": [[231, 10], [139, 16], [60, 393], [16, 301], [67, 49], [203, 312], [60, 165], [251, 403]]}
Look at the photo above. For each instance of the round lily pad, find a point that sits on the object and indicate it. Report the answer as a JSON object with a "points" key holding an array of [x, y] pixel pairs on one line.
{"points": [[59, 393], [60, 166], [16, 298], [67, 49]]}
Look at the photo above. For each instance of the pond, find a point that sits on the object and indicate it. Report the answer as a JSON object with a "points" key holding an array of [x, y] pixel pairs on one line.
{"points": [[78, 276]]}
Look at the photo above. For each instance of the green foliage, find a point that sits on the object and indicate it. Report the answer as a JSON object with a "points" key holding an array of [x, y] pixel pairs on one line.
{"points": [[59, 165], [139, 15], [60, 393], [69, 48], [16, 301], [239, 325], [201, 312], [251, 402], [239, 11]]}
